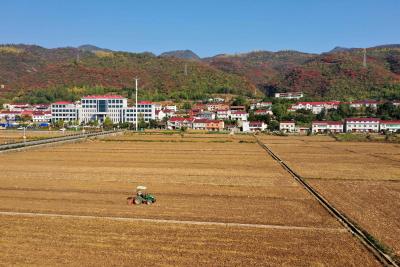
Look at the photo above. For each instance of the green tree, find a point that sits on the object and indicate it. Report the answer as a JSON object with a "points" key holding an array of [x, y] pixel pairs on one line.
{"points": [[94, 123], [322, 115], [273, 125], [142, 124], [108, 123], [153, 124], [279, 110], [59, 124], [239, 101], [187, 105]]}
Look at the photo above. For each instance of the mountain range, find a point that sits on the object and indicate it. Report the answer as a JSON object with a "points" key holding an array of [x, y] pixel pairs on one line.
{"points": [[337, 74]]}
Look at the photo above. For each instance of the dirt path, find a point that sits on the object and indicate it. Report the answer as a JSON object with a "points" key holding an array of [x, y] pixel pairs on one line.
{"points": [[245, 225]]}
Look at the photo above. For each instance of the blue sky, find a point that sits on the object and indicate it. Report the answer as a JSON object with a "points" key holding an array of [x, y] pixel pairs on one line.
{"points": [[204, 26]]}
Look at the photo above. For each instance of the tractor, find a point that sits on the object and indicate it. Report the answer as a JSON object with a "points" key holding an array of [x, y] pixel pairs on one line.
{"points": [[141, 197]]}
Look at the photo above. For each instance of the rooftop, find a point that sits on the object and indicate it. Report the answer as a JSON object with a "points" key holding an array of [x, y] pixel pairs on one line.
{"points": [[363, 119], [103, 97], [328, 122], [62, 103]]}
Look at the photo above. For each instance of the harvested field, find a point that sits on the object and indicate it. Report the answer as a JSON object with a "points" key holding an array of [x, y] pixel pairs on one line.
{"points": [[374, 205], [11, 136], [324, 158], [229, 181], [362, 179], [69, 242]]}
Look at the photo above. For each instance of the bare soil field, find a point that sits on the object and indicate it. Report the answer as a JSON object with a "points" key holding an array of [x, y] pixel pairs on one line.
{"points": [[362, 179], [232, 180], [11, 136]]}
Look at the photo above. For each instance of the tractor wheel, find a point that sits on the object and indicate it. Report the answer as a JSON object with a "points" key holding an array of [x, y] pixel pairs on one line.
{"points": [[149, 202], [129, 200], [138, 201]]}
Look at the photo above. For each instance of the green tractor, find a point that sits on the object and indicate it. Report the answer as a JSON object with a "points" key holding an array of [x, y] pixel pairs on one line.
{"points": [[141, 197]]}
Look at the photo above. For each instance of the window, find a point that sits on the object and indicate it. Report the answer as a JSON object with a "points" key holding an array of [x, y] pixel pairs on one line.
{"points": [[102, 106]]}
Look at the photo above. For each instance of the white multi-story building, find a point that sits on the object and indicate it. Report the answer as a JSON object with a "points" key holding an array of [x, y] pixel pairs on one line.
{"points": [[179, 122], [64, 111], [327, 126], [223, 114], [206, 115], [171, 107], [100, 107], [287, 126], [390, 126], [263, 112], [315, 107], [200, 124], [364, 103], [145, 109], [289, 95], [255, 126], [261, 105], [362, 125], [239, 115], [41, 116], [16, 106]]}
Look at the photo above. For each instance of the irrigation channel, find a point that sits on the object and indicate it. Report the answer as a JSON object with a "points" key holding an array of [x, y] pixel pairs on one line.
{"points": [[362, 235], [53, 140]]}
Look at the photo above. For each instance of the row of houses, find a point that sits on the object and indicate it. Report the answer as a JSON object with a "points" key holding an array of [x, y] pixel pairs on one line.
{"points": [[176, 123], [349, 125], [33, 115], [317, 107]]}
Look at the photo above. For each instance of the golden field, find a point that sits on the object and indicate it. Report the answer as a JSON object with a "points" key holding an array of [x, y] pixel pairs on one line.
{"points": [[16, 136], [54, 242], [323, 157], [199, 178], [362, 179]]}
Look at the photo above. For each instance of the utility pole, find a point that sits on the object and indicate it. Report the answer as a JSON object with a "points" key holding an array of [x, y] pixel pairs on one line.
{"points": [[136, 106], [186, 72]]}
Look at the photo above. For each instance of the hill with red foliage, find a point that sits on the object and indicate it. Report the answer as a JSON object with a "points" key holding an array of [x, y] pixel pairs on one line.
{"points": [[26, 68], [339, 74]]}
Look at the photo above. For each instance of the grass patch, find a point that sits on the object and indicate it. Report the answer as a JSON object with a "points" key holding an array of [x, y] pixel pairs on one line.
{"points": [[246, 142], [353, 137]]}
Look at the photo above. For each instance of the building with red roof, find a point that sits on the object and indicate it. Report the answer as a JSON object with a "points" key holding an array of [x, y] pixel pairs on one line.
{"points": [[362, 124], [239, 115], [287, 126], [327, 126], [176, 123], [315, 107], [263, 112], [257, 126], [357, 104], [100, 107], [390, 126]]}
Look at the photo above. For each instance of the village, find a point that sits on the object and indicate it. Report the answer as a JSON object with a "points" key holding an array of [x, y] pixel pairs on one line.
{"points": [[214, 114]]}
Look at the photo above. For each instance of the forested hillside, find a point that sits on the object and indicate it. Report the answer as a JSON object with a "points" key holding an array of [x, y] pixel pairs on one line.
{"points": [[28, 68], [339, 74], [31, 70]]}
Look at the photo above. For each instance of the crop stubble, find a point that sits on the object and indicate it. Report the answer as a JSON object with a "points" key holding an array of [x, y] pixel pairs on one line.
{"points": [[224, 181]]}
